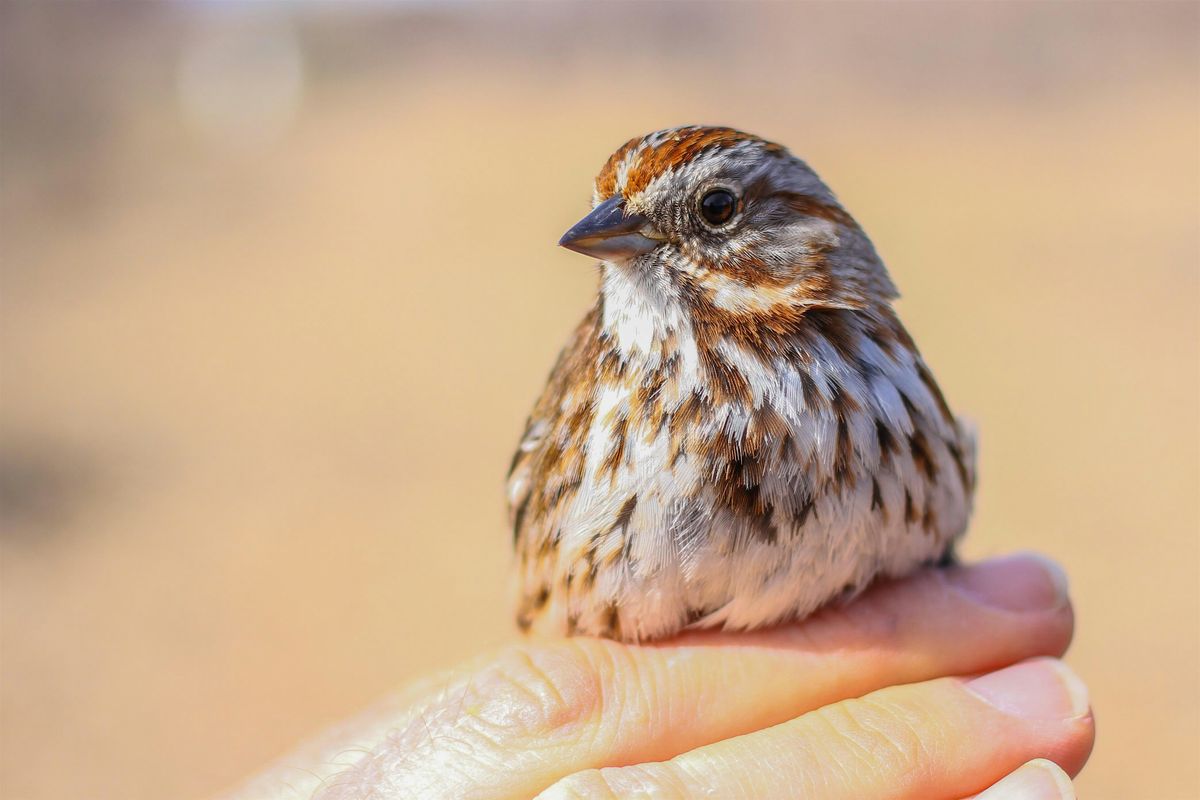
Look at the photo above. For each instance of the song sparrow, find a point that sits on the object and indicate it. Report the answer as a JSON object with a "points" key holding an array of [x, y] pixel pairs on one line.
{"points": [[741, 429]]}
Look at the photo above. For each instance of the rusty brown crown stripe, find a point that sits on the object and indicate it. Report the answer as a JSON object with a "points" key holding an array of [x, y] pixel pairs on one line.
{"points": [[680, 149], [606, 181]]}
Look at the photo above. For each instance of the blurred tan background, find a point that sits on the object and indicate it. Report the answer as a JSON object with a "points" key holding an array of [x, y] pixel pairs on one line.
{"points": [[280, 284]]}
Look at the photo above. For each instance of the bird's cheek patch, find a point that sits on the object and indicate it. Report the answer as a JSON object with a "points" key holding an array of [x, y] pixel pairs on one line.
{"points": [[731, 294]]}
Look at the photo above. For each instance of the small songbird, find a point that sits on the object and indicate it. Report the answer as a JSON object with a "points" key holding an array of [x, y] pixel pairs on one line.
{"points": [[740, 430]]}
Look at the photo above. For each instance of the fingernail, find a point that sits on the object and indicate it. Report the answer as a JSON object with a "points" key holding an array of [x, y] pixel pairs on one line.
{"points": [[1044, 688], [1038, 780], [1024, 582]]}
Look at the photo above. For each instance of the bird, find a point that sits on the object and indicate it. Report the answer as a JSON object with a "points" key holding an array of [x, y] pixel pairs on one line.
{"points": [[740, 431]]}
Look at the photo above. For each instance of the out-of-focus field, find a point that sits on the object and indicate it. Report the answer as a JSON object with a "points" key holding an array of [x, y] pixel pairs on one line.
{"points": [[279, 286]]}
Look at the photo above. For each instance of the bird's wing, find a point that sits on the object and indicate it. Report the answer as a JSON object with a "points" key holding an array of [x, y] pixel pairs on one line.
{"points": [[574, 366]]}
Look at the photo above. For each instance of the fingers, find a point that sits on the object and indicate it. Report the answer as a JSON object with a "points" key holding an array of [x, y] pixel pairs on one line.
{"points": [[945, 738], [1037, 780], [513, 724]]}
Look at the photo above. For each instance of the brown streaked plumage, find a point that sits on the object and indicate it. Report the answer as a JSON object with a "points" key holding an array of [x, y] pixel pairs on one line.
{"points": [[740, 430]]}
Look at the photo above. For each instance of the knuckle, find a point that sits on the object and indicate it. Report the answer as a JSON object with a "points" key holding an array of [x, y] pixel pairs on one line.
{"points": [[513, 713], [649, 780], [875, 736], [587, 785], [554, 693]]}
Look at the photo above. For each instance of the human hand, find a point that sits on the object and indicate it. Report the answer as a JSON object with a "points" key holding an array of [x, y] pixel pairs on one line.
{"points": [[858, 701]]}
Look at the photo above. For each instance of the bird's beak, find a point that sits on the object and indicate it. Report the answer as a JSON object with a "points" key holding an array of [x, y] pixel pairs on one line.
{"points": [[611, 234]]}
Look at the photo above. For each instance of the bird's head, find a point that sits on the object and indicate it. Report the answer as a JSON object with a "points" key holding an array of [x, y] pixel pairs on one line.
{"points": [[724, 219]]}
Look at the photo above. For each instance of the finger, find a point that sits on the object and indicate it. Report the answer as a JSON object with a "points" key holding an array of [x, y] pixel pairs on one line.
{"points": [[939, 739], [1037, 780], [513, 724]]}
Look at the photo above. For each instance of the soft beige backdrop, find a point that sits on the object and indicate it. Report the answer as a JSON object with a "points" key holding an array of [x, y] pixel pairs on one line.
{"points": [[279, 285]]}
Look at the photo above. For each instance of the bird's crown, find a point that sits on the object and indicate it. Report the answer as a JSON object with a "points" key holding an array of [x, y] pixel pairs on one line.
{"points": [[638, 162]]}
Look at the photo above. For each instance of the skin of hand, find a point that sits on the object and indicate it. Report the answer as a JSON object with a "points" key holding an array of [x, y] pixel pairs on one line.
{"points": [[943, 685]]}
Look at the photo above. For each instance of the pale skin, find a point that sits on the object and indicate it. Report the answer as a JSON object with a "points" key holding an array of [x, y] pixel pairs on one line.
{"points": [[942, 686]]}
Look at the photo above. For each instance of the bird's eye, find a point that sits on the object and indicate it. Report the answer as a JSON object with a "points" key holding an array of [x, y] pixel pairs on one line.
{"points": [[718, 206]]}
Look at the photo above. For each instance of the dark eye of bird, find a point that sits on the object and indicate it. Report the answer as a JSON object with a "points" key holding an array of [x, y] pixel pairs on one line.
{"points": [[718, 206]]}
